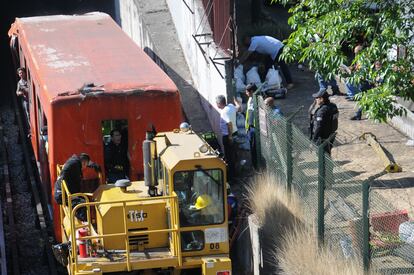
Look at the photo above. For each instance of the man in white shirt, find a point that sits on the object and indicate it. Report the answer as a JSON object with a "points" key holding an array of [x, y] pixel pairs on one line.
{"points": [[269, 46], [228, 130]]}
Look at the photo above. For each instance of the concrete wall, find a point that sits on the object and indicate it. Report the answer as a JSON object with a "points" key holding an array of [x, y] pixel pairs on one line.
{"points": [[404, 123], [130, 19], [206, 79], [132, 23]]}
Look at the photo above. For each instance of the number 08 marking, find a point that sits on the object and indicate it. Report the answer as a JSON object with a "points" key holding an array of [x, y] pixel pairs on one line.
{"points": [[214, 246]]}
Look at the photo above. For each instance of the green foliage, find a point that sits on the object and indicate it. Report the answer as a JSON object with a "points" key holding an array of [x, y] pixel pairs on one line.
{"points": [[325, 33]]}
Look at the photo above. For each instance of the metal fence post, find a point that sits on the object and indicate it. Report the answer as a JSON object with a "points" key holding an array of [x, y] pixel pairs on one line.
{"points": [[365, 225], [321, 188], [289, 150], [321, 194], [366, 249], [289, 157], [257, 129]]}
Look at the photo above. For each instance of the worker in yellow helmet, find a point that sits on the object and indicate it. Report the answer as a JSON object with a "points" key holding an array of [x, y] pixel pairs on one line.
{"points": [[202, 202], [204, 210]]}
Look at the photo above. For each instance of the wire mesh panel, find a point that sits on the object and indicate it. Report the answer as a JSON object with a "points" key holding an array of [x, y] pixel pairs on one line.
{"points": [[392, 231], [305, 172], [343, 210], [274, 145], [373, 226]]}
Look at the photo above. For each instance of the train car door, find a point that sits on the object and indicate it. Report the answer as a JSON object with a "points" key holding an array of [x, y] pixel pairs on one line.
{"points": [[43, 149], [33, 115], [116, 150]]}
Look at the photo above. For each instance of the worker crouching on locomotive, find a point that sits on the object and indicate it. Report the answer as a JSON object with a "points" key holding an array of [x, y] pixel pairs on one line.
{"points": [[72, 174], [116, 158]]}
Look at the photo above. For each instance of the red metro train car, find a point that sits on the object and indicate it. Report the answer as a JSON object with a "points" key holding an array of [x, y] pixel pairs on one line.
{"points": [[126, 90]]}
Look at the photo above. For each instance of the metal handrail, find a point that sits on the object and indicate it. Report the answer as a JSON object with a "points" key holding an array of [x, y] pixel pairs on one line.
{"points": [[174, 226], [67, 210]]}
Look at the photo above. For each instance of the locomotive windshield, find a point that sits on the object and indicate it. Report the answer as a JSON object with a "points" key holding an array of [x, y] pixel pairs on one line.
{"points": [[201, 197]]}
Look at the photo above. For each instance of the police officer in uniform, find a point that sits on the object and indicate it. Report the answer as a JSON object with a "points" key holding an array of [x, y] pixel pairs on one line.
{"points": [[324, 119], [116, 158]]}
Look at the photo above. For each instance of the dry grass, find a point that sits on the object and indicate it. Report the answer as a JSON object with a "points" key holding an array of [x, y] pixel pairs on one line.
{"points": [[267, 195], [277, 213], [288, 246], [299, 254]]}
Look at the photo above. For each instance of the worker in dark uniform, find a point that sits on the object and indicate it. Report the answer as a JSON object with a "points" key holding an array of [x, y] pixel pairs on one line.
{"points": [[72, 174], [324, 120], [116, 158], [324, 123]]}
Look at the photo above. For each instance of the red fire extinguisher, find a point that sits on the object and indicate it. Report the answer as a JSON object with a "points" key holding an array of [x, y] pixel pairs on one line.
{"points": [[83, 249]]}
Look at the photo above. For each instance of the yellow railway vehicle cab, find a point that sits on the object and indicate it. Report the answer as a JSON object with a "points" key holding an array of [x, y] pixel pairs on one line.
{"points": [[173, 222]]}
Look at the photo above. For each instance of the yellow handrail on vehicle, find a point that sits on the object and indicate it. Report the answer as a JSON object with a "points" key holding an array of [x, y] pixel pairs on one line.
{"points": [[176, 249], [67, 210]]}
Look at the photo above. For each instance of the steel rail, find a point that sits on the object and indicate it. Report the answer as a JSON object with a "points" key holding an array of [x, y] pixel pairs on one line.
{"points": [[12, 243], [40, 214]]}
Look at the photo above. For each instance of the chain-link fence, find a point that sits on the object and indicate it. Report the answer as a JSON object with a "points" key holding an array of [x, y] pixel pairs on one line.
{"points": [[391, 231], [349, 213]]}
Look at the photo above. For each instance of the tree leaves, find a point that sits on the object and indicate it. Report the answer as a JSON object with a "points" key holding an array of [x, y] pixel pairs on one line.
{"points": [[325, 33]]}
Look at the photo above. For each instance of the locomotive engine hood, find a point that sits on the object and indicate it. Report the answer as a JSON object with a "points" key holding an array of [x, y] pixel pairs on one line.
{"points": [[137, 215]]}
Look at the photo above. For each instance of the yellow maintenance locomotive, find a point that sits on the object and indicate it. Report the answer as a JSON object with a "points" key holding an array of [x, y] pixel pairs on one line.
{"points": [[173, 222]]}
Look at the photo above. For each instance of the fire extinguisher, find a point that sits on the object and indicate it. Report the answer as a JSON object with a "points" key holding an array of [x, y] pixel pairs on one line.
{"points": [[82, 244]]}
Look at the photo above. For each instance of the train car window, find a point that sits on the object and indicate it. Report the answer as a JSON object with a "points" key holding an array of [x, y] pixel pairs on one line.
{"points": [[21, 57], [39, 115], [116, 154], [15, 46], [42, 126], [32, 92], [24, 65], [29, 76]]}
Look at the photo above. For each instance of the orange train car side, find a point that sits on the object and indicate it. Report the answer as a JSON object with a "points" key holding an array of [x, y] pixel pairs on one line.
{"points": [[61, 53]]}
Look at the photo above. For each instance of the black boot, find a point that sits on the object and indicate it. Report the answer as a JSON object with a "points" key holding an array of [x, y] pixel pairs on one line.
{"points": [[61, 252]]}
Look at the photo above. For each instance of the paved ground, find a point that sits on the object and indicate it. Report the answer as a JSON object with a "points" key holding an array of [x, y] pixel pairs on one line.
{"points": [[354, 154], [159, 22]]}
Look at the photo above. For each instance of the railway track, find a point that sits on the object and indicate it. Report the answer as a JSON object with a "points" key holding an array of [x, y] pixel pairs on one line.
{"points": [[24, 234]]}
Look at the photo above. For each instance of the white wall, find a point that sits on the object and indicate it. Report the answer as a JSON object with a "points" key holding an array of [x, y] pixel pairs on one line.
{"points": [[132, 23], [206, 79], [129, 17]]}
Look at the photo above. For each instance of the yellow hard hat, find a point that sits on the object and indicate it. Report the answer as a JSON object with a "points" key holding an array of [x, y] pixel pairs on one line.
{"points": [[202, 202]]}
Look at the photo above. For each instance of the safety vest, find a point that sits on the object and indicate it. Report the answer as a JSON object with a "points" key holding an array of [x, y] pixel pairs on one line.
{"points": [[249, 115]]}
